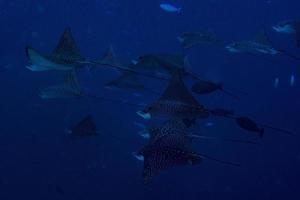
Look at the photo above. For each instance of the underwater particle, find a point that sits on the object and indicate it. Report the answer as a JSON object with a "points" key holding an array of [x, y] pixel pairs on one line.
{"points": [[292, 80], [276, 83]]}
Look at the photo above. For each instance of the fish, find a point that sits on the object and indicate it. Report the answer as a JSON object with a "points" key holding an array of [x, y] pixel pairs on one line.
{"points": [[206, 87], [292, 80], [70, 88], [170, 8], [190, 39], [289, 27], [175, 102], [65, 57], [249, 125], [85, 128]]}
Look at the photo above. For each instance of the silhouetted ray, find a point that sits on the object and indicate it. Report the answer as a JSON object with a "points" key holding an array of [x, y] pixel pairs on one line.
{"points": [[176, 102], [66, 50], [109, 58], [85, 128], [207, 87], [65, 56], [69, 89], [126, 81], [177, 91], [160, 158]]}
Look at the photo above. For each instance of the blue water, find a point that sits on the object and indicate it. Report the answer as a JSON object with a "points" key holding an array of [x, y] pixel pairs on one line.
{"points": [[39, 161]]}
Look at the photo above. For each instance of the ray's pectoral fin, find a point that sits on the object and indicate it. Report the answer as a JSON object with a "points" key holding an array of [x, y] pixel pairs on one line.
{"points": [[39, 62]]}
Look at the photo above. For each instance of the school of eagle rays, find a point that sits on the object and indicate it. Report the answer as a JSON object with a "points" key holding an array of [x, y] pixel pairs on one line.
{"points": [[169, 144]]}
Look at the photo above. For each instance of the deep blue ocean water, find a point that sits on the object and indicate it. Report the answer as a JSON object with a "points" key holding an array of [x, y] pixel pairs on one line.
{"points": [[39, 161]]}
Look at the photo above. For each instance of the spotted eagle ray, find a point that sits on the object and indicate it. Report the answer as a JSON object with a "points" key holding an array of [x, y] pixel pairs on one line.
{"points": [[70, 88], [175, 102], [261, 45], [66, 55]]}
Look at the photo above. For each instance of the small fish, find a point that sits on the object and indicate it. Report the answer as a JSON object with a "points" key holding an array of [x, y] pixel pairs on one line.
{"points": [[170, 8], [207, 87], [276, 83], [292, 80], [249, 125]]}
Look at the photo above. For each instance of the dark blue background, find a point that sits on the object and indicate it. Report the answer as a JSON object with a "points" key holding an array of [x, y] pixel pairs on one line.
{"points": [[36, 156]]}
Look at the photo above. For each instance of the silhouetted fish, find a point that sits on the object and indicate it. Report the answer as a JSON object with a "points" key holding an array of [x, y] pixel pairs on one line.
{"points": [[69, 89], [250, 125], [176, 102], [66, 55], [85, 128], [207, 87], [190, 39]]}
